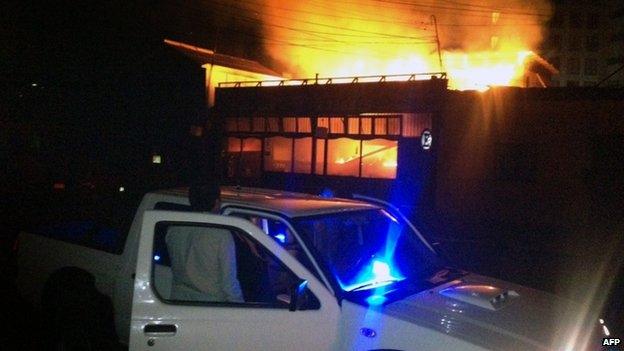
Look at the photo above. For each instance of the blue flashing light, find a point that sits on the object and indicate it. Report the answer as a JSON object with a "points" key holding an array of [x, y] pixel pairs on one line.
{"points": [[327, 193], [280, 237], [156, 258], [302, 286], [381, 271], [377, 274], [376, 300]]}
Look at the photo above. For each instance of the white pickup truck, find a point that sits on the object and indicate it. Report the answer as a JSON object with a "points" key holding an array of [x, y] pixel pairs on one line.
{"points": [[315, 274]]}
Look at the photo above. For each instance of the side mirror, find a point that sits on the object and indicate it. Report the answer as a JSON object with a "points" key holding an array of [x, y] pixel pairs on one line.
{"points": [[301, 298]]}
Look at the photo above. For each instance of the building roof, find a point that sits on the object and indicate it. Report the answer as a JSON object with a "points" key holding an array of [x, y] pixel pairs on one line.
{"points": [[331, 99], [206, 56], [290, 204]]}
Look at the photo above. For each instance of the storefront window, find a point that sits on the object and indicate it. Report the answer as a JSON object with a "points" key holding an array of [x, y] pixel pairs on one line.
{"points": [[278, 154], [376, 158], [303, 155], [380, 126], [336, 125], [379, 158], [289, 124], [304, 125], [367, 125], [244, 157], [251, 157], [394, 126], [243, 124], [234, 145], [354, 125], [272, 124], [343, 157], [258, 124], [252, 145], [322, 122]]}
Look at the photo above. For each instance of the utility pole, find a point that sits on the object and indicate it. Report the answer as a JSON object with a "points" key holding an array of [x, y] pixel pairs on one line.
{"points": [[434, 22]]}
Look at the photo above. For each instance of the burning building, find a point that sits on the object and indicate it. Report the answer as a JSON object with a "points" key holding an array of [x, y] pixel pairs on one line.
{"points": [[478, 43], [372, 132], [477, 157], [386, 132]]}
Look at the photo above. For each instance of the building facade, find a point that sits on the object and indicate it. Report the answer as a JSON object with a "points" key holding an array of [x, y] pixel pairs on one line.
{"points": [[585, 42], [615, 59], [308, 135]]}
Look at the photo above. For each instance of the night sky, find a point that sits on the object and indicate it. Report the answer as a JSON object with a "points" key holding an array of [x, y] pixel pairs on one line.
{"points": [[90, 89]]}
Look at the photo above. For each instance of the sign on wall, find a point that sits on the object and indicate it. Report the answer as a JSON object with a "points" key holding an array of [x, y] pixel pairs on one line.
{"points": [[426, 139]]}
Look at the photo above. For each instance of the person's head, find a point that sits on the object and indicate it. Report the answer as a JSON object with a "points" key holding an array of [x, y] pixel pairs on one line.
{"points": [[205, 196]]}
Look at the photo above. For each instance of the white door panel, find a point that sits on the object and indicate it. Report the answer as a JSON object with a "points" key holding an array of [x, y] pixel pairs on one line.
{"points": [[218, 327]]}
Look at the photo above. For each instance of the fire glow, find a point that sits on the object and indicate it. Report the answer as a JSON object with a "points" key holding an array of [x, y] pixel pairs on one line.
{"points": [[482, 44]]}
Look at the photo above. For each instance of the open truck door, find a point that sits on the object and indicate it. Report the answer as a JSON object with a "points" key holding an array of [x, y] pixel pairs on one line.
{"points": [[291, 310]]}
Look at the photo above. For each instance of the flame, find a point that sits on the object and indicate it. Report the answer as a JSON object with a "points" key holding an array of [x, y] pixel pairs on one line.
{"points": [[386, 37], [390, 163], [480, 70]]}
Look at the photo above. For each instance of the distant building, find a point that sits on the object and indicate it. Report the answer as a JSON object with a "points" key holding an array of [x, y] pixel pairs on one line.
{"points": [[585, 42], [615, 61]]}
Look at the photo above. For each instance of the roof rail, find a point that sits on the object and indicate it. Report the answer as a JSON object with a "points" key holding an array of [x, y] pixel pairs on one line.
{"points": [[336, 80]]}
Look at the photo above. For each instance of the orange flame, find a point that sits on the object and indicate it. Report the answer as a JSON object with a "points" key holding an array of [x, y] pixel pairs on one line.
{"points": [[385, 37]]}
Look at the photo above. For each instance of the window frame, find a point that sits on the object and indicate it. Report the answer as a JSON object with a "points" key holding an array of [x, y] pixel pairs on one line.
{"points": [[395, 119], [319, 274], [168, 223]]}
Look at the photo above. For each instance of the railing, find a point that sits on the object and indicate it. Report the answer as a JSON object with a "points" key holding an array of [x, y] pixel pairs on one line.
{"points": [[336, 80]]}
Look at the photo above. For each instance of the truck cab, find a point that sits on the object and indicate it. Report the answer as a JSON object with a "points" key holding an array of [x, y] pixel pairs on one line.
{"points": [[329, 274], [306, 272]]}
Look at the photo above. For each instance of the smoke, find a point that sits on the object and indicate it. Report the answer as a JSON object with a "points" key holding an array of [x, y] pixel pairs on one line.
{"points": [[352, 37]]}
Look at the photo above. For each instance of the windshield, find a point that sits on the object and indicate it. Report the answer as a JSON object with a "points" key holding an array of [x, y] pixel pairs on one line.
{"points": [[368, 249]]}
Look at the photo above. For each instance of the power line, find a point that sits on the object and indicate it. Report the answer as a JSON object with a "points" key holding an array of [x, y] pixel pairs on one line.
{"points": [[489, 8], [411, 23], [363, 19], [415, 4], [312, 46], [464, 12], [491, 25], [319, 24], [610, 75], [413, 40]]}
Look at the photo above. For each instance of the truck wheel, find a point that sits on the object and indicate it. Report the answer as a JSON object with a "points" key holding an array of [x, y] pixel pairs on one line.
{"points": [[76, 316]]}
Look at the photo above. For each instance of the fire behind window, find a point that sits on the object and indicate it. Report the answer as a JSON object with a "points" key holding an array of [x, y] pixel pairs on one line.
{"points": [[352, 146], [244, 157]]}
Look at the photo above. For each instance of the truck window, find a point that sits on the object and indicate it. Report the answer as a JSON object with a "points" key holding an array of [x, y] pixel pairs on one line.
{"points": [[281, 234], [214, 265]]}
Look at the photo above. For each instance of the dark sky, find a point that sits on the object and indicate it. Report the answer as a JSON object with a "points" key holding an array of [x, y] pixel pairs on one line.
{"points": [[108, 91]]}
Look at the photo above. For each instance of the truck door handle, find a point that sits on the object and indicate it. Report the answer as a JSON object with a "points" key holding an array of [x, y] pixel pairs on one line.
{"points": [[160, 329]]}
